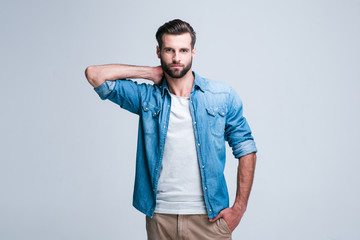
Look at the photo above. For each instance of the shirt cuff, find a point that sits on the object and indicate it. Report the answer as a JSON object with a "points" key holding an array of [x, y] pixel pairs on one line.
{"points": [[105, 89], [244, 148]]}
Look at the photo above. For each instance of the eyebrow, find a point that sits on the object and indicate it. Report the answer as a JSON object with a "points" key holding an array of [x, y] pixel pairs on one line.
{"points": [[184, 48]]}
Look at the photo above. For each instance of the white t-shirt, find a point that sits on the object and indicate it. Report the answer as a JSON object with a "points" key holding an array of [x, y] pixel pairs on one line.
{"points": [[179, 188]]}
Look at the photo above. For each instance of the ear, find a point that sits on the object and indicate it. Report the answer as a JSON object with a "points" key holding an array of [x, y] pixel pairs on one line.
{"points": [[158, 51], [193, 52]]}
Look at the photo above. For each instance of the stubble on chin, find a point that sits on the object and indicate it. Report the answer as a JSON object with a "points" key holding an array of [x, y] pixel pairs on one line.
{"points": [[176, 73]]}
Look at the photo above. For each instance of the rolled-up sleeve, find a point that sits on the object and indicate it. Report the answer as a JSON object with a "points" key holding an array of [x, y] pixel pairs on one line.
{"points": [[244, 148], [105, 89], [237, 130], [125, 93]]}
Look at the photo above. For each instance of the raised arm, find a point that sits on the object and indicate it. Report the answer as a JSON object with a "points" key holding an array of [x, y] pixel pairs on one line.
{"points": [[97, 75]]}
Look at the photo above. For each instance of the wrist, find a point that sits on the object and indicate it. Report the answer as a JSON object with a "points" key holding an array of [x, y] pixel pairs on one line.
{"points": [[143, 72], [239, 207], [156, 74]]}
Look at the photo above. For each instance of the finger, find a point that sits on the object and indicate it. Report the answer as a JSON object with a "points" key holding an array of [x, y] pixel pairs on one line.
{"points": [[216, 218]]}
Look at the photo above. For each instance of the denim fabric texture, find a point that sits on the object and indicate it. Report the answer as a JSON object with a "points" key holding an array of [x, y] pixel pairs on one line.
{"points": [[217, 116]]}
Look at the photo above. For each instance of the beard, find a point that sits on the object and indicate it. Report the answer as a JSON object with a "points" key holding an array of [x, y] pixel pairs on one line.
{"points": [[175, 73]]}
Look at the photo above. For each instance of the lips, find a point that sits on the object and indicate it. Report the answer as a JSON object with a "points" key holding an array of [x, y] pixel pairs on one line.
{"points": [[176, 66]]}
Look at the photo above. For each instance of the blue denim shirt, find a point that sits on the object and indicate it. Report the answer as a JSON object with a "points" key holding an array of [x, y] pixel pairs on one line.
{"points": [[216, 111]]}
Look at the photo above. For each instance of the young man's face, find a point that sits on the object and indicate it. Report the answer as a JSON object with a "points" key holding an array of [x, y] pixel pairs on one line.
{"points": [[176, 54]]}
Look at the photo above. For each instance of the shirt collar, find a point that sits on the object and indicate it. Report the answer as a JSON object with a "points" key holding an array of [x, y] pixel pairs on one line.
{"points": [[199, 82]]}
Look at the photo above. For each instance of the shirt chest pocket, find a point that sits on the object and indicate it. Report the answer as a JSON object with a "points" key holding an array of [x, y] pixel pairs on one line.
{"points": [[150, 118], [217, 120]]}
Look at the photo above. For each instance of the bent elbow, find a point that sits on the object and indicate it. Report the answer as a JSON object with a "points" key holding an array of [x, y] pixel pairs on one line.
{"points": [[91, 73]]}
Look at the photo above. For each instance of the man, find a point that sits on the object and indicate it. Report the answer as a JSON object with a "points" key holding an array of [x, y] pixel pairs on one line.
{"points": [[184, 120]]}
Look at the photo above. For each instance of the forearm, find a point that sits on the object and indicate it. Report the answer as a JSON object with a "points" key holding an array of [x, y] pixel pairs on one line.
{"points": [[245, 179], [96, 75], [233, 215]]}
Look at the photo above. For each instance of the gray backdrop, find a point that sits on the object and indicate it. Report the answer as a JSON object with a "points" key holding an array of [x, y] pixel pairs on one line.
{"points": [[67, 158]]}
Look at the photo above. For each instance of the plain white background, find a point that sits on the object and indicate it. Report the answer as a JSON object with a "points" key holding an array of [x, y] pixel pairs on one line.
{"points": [[67, 159]]}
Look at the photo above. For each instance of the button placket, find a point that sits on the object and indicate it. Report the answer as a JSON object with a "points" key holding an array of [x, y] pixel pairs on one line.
{"points": [[198, 143]]}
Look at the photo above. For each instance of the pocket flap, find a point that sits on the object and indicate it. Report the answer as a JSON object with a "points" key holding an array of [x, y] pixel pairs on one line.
{"points": [[222, 111], [211, 111], [147, 106], [216, 110]]}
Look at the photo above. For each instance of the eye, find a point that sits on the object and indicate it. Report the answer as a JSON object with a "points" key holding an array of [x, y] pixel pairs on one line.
{"points": [[167, 49], [184, 50]]}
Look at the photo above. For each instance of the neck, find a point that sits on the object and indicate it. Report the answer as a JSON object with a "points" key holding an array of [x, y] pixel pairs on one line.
{"points": [[181, 86]]}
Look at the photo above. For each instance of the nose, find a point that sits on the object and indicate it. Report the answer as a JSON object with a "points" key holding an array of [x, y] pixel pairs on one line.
{"points": [[176, 57]]}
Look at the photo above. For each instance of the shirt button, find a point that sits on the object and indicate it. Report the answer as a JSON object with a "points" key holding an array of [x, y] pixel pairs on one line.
{"points": [[202, 166], [209, 210], [156, 169], [194, 122], [168, 105], [205, 188], [160, 147], [198, 144], [164, 126]]}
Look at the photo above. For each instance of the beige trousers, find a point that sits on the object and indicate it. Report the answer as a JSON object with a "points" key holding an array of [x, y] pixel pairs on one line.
{"points": [[186, 227]]}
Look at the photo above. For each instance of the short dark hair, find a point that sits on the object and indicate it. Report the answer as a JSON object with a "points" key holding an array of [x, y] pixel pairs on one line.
{"points": [[175, 27]]}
